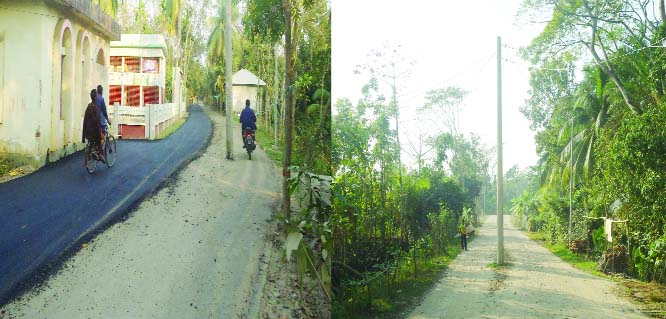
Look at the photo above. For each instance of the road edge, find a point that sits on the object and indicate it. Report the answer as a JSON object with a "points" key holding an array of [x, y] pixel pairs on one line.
{"points": [[38, 277]]}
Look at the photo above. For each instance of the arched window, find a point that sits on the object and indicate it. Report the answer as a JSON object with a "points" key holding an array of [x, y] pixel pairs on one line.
{"points": [[101, 60], [66, 81]]}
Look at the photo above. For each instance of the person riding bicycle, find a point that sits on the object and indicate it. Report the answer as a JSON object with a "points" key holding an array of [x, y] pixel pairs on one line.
{"points": [[101, 107], [92, 129], [248, 119]]}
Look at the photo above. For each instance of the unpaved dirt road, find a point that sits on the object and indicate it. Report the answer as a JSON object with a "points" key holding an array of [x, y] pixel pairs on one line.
{"points": [[192, 250], [537, 284]]}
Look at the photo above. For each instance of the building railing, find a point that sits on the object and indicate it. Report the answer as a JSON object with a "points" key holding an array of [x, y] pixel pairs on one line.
{"points": [[144, 79], [90, 10], [152, 116]]}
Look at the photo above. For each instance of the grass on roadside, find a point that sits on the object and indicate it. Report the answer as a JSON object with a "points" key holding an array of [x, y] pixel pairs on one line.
{"points": [[650, 296], [4, 164], [560, 250], [169, 130], [494, 265], [376, 300], [266, 142]]}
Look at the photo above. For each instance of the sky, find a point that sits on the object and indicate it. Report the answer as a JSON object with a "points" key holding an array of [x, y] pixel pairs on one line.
{"points": [[451, 43]]}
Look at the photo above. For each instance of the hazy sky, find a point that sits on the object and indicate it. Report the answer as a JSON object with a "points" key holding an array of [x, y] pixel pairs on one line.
{"points": [[452, 43]]}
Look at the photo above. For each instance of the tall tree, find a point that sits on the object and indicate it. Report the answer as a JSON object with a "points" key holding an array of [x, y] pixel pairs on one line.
{"points": [[600, 28]]}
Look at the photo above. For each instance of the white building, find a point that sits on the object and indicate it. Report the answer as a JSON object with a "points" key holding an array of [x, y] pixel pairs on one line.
{"points": [[52, 53], [245, 87], [137, 81]]}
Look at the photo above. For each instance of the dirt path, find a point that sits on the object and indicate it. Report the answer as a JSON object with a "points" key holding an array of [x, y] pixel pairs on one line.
{"points": [[190, 251], [537, 284]]}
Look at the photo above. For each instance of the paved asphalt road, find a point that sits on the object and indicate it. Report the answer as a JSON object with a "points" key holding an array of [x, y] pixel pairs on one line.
{"points": [[44, 214]]}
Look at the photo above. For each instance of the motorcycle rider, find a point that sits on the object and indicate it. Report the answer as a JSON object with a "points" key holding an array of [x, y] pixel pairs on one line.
{"points": [[248, 119]]}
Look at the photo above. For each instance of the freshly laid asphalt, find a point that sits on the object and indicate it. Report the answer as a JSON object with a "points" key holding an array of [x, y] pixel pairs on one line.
{"points": [[45, 214]]}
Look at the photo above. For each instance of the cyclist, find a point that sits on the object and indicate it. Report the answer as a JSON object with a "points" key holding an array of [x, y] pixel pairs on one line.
{"points": [[101, 106], [92, 129]]}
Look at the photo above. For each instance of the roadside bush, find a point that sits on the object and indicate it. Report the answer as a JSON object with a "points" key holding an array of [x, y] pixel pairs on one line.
{"points": [[631, 176], [4, 164]]}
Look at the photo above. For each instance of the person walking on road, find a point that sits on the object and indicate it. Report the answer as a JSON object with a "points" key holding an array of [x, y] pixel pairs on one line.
{"points": [[463, 236]]}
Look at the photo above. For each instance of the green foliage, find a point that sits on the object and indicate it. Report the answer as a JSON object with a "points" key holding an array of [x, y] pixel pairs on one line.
{"points": [[599, 240], [309, 233], [615, 149], [391, 290], [656, 258], [561, 250], [392, 224], [441, 227], [523, 208], [516, 182], [171, 129], [109, 6], [266, 18], [4, 164]]}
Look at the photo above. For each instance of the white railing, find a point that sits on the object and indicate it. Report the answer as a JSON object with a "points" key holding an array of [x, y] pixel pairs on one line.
{"points": [[151, 116], [161, 112], [144, 79]]}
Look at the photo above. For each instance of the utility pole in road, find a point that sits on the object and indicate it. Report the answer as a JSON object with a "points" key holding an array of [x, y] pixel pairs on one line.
{"points": [[228, 78], [500, 186]]}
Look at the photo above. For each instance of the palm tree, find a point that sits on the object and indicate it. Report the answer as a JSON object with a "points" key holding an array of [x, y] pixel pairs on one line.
{"points": [[590, 113], [590, 110], [215, 42], [523, 206]]}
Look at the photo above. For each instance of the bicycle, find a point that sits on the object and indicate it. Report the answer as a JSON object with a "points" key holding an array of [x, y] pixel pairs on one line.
{"points": [[108, 146]]}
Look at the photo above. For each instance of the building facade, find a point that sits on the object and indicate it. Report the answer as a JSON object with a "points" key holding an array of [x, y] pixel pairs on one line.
{"points": [[52, 53], [245, 87], [137, 81]]}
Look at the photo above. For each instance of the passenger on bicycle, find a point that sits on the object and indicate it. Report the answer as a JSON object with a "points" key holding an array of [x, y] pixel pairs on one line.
{"points": [[248, 119], [92, 129], [101, 107]]}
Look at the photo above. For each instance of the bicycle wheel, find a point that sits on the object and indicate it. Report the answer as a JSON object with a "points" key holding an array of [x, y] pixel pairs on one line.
{"points": [[110, 150], [89, 160]]}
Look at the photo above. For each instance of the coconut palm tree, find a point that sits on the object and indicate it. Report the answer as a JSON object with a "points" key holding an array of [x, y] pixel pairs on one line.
{"points": [[589, 114]]}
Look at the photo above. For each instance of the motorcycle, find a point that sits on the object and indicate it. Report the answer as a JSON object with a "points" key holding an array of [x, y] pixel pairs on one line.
{"points": [[248, 141]]}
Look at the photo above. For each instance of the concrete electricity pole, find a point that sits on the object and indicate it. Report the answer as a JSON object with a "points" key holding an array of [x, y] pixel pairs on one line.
{"points": [[228, 78], [500, 186]]}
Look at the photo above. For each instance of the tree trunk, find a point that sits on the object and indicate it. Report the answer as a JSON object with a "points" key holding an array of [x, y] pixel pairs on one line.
{"points": [[186, 63], [323, 113], [606, 66], [662, 11], [276, 90], [289, 107], [616, 80]]}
